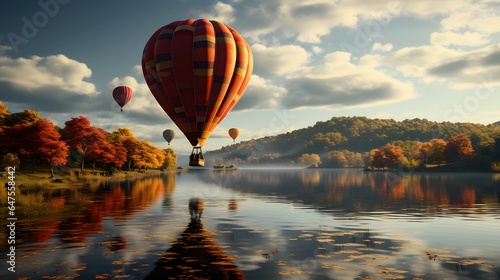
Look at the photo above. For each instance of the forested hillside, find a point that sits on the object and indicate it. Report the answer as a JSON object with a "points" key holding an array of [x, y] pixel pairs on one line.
{"points": [[356, 135]]}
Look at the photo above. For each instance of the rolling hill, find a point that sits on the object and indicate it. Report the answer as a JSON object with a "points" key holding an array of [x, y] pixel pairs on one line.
{"points": [[355, 134]]}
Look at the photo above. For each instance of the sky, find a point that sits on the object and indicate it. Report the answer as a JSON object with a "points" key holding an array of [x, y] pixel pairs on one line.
{"points": [[313, 60]]}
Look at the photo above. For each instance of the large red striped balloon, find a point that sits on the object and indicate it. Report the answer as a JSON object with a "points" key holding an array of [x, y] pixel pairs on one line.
{"points": [[122, 95], [197, 70]]}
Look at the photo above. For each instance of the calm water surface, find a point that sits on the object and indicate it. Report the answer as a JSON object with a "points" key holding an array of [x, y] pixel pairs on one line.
{"points": [[268, 224]]}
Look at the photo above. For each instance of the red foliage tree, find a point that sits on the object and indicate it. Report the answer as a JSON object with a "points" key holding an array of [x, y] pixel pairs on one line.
{"points": [[132, 146], [458, 147], [104, 152], [120, 154], [38, 141], [377, 158], [82, 137]]}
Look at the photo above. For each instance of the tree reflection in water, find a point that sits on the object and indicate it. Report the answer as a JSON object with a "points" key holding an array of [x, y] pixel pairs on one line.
{"points": [[195, 255]]}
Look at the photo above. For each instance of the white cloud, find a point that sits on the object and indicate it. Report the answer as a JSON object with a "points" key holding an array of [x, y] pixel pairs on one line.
{"points": [[478, 17], [309, 20], [458, 69], [221, 12], [457, 39], [54, 83], [137, 70], [260, 94], [317, 49], [340, 83], [279, 60], [428, 8], [55, 71], [384, 48]]}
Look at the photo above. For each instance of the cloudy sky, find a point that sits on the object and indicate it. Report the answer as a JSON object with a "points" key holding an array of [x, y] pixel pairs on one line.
{"points": [[314, 59]]}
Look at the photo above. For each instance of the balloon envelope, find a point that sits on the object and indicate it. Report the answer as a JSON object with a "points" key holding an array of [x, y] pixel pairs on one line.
{"points": [[233, 133], [122, 95], [168, 134], [197, 70]]}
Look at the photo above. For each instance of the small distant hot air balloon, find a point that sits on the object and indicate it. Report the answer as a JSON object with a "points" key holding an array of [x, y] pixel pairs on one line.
{"points": [[168, 134], [122, 95], [197, 70], [233, 133]]}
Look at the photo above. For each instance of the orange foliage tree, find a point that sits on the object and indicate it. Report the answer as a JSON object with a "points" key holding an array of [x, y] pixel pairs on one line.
{"points": [[389, 156], [432, 151]]}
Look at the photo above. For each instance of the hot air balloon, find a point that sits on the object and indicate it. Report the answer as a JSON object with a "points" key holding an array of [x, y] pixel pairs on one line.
{"points": [[197, 70], [168, 134], [233, 133], [122, 95]]}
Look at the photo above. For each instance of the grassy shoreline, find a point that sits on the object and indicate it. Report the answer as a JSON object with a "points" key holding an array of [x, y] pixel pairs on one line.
{"points": [[66, 177]]}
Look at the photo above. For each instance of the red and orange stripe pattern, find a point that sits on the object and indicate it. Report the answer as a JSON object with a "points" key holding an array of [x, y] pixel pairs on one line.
{"points": [[197, 70]]}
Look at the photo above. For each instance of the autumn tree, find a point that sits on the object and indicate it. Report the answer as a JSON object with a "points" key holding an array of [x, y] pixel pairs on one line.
{"points": [[125, 142], [39, 141], [377, 159], [104, 152], [421, 152], [4, 114], [436, 151], [146, 155], [120, 154], [132, 146], [26, 117], [120, 135], [312, 160], [389, 156], [458, 147], [82, 137], [170, 159], [393, 154], [334, 159], [10, 159]]}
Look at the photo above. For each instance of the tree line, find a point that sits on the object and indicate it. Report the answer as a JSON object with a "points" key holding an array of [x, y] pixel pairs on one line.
{"points": [[373, 143], [28, 138]]}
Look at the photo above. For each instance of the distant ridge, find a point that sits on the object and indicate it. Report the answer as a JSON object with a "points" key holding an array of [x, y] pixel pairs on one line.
{"points": [[497, 123], [356, 134]]}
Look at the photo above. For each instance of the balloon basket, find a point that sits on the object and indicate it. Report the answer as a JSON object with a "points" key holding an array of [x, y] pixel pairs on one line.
{"points": [[196, 157]]}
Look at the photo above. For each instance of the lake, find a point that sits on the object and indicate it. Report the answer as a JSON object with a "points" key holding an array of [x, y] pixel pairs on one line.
{"points": [[268, 223]]}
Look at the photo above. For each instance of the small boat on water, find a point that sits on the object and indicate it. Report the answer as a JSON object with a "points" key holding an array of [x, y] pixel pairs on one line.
{"points": [[223, 167]]}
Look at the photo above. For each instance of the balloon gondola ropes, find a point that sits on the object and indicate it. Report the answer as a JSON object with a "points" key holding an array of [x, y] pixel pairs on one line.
{"points": [[196, 157]]}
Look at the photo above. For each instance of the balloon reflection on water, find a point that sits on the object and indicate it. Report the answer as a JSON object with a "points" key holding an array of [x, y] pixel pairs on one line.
{"points": [[195, 254]]}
